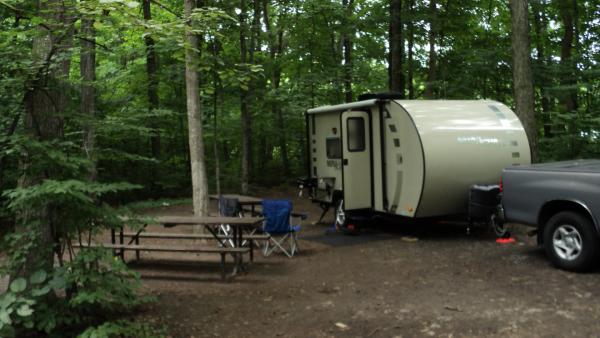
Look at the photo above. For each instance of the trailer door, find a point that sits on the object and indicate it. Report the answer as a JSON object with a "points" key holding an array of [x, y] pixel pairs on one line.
{"points": [[357, 175]]}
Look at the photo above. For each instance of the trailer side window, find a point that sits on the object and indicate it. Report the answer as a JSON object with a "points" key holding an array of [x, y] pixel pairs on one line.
{"points": [[356, 133], [334, 147]]}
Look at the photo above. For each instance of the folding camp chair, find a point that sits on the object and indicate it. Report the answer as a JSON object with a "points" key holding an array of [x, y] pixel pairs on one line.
{"points": [[228, 207], [278, 225]]}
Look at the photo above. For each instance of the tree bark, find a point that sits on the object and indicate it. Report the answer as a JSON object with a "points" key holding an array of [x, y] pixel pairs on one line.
{"points": [[246, 118], [567, 11], [88, 91], [432, 73], [540, 25], [411, 42], [217, 91], [255, 84], [15, 120], [522, 75], [348, 46], [275, 50], [194, 113], [153, 100], [396, 57], [45, 101], [337, 56]]}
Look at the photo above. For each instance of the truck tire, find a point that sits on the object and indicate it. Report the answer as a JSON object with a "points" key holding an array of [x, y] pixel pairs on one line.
{"points": [[571, 242]]}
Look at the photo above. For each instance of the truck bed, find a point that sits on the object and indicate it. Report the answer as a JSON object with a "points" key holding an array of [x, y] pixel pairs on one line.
{"points": [[528, 190], [563, 166]]}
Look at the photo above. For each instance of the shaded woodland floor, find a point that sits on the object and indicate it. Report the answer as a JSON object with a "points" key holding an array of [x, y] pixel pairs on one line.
{"points": [[398, 280]]}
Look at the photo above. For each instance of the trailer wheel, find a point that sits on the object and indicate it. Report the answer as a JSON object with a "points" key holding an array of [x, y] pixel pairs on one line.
{"points": [[571, 242]]}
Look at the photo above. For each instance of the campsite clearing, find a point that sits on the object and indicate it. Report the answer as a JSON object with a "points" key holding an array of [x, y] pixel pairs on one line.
{"points": [[440, 283]]}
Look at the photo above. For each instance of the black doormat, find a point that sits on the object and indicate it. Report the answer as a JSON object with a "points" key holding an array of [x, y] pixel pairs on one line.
{"points": [[338, 239]]}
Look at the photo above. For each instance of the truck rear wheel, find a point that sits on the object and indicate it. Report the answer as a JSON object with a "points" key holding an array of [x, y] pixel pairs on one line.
{"points": [[571, 242]]}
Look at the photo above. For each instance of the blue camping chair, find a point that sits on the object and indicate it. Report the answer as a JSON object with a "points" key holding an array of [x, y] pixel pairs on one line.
{"points": [[278, 225]]}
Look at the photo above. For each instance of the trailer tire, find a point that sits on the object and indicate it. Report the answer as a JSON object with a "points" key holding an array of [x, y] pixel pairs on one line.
{"points": [[571, 242]]}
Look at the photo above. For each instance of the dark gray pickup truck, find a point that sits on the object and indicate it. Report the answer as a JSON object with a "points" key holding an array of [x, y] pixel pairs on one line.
{"points": [[562, 199]]}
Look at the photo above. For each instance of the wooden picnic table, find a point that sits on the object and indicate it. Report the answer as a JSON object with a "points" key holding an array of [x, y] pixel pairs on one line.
{"points": [[237, 224], [243, 199]]}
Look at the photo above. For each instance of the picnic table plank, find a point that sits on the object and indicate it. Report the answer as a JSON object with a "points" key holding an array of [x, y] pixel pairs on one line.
{"points": [[165, 248], [222, 251], [208, 220], [171, 235], [243, 199]]}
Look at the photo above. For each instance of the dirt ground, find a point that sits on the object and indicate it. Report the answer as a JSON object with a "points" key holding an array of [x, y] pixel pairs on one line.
{"points": [[399, 280]]}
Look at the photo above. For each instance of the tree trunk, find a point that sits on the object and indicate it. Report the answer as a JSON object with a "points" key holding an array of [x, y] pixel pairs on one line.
{"points": [[88, 91], [336, 54], [522, 76], [540, 25], [264, 155], [15, 120], [217, 91], [432, 73], [194, 113], [255, 84], [567, 12], [275, 50], [396, 57], [152, 89], [216, 145], [246, 119], [347, 44], [411, 42], [11, 130], [45, 101]]}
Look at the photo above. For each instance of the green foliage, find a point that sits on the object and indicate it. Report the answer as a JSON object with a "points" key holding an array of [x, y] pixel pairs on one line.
{"points": [[25, 298], [96, 287], [103, 282], [158, 203], [121, 328], [61, 192]]}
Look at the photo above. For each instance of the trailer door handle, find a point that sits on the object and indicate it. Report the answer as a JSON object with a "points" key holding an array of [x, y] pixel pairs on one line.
{"points": [[345, 161]]}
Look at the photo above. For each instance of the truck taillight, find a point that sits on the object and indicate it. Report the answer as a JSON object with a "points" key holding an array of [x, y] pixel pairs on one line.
{"points": [[501, 186]]}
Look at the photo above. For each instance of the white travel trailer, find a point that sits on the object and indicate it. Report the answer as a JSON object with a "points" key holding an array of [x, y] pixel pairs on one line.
{"points": [[413, 158]]}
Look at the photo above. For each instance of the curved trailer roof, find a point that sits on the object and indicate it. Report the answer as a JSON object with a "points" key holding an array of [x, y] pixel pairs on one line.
{"points": [[343, 106]]}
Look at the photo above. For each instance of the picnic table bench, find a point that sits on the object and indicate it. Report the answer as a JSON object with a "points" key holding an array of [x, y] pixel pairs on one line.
{"points": [[210, 223], [170, 235], [222, 251]]}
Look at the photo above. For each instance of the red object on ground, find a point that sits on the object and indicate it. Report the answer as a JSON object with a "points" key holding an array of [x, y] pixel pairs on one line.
{"points": [[505, 240], [350, 227]]}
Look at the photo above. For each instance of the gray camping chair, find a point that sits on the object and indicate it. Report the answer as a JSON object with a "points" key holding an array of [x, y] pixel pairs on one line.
{"points": [[228, 207]]}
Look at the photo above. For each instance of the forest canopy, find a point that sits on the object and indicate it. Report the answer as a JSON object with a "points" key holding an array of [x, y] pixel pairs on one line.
{"points": [[263, 63]]}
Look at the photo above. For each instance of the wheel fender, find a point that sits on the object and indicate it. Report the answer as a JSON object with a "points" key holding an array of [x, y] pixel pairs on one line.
{"points": [[553, 207]]}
